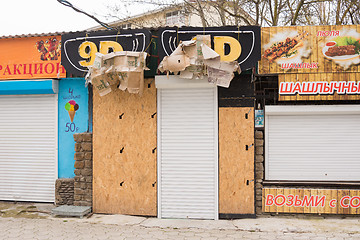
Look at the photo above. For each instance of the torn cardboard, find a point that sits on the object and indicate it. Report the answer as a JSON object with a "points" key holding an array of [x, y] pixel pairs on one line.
{"points": [[96, 75], [178, 60], [196, 59], [123, 68], [219, 72]]}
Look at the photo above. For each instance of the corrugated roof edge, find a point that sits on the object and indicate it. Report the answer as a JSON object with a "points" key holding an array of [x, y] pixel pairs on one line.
{"points": [[47, 34], [34, 35]]}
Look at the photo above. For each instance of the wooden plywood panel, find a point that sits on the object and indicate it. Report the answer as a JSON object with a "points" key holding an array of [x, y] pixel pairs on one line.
{"points": [[300, 194], [342, 209], [315, 201], [307, 208], [314, 193], [265, 207], [280, 207], [353, 210], [287, 192], [124, 136], [328, 198], [236, 164]]}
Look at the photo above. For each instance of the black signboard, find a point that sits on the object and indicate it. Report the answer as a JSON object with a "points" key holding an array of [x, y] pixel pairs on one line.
{"points": [[78, 49], [229, 38]]}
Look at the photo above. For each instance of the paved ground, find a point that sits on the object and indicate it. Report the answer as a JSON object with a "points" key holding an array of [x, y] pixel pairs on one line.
{"points": [[34, 222]]}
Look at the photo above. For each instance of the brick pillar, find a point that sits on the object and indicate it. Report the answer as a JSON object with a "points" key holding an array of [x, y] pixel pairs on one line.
{"points": [[83, 169], [64, 191], [259, 169]]}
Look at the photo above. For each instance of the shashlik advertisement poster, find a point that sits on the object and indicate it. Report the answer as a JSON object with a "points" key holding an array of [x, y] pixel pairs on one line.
{"points": [[310, 49]]}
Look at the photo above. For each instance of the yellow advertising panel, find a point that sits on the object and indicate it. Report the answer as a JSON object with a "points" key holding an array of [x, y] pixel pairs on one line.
{"points": [[303, 200], [310, 49], [31, 58]]}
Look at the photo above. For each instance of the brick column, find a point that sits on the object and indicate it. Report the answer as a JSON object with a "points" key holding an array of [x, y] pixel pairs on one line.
{"points": [[64, 191], [83, 169], [259, 169]]}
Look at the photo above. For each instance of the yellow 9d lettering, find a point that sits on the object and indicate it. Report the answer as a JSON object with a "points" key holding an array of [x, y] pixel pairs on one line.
{"points": [[235, 48], [87, 50], [105, 46]]}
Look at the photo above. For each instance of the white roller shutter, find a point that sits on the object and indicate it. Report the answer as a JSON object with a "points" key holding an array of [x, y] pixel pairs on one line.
{"points": [[312, 143], [28, 147], [188, 153]]}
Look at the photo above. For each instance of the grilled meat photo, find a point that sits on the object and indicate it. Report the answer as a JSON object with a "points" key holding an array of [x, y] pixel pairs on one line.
{"points": [[341, 50], [284, 48]]}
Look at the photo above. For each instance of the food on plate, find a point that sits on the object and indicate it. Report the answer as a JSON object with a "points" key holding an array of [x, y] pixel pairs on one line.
{"points": [[285, 48], [341, 50], [343, 46]]}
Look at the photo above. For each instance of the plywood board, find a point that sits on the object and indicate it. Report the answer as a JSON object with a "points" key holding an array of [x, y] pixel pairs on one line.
{"points": [[124, 139], [315, 201], [236, 164]]}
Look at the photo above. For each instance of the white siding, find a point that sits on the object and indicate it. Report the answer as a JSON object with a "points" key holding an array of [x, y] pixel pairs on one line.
{"points": [[312, 143], [188, 153], [28, 147]]}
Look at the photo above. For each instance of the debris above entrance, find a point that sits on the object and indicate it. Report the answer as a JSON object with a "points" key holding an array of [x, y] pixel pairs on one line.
{"points": [[196, 59], [123, 68]]}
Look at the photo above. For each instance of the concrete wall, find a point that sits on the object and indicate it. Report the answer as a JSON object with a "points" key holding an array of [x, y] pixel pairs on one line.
{"points": [[71, 89]]}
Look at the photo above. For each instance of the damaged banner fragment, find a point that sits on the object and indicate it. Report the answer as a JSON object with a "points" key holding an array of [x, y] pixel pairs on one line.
{"points": [[196, 59], [123, 68]]}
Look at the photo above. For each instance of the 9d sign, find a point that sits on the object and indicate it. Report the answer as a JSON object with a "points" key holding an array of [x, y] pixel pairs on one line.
{"points": [[242, 44], [79, 49]]}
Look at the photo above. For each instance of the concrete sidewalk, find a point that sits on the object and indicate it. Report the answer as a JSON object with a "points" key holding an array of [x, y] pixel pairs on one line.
{"points": [[261, 224], [18, 216]]}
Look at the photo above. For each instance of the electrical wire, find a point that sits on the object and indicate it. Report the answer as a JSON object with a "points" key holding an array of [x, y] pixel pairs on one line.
{"points": [[68, 4]]}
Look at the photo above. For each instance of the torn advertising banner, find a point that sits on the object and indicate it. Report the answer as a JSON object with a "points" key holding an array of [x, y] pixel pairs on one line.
{"points": [[195, 59], [79, 49], [241, 44], [123, 68]]}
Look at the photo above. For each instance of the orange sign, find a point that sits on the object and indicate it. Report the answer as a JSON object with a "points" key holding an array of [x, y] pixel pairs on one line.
{"points": [[29, 58]]}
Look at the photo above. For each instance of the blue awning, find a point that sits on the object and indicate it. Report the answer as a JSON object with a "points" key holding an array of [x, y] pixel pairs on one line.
{"points": [[20, 87]]}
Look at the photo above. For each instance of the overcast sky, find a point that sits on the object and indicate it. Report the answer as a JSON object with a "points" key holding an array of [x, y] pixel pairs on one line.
{"points": [[45, 16]]}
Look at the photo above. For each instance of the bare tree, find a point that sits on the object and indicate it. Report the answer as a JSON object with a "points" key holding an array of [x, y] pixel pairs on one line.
{"points": [[261, 12]]}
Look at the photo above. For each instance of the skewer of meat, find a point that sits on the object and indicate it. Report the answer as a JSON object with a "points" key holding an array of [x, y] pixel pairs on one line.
{"points": [[284, 47]]}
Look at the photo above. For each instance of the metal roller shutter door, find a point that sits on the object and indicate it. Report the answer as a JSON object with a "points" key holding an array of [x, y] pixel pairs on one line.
{"points": [[188, 153], [28, 147], [312, 143]]}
